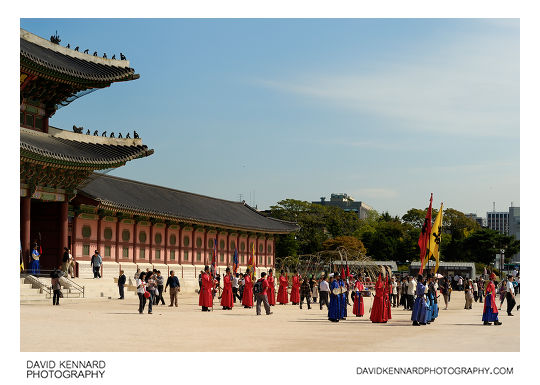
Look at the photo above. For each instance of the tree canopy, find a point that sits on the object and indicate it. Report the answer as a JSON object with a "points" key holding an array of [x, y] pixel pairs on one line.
{"points": [[383, 237]]}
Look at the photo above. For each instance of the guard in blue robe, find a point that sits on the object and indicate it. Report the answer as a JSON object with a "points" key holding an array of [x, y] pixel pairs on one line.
{"points": [[35, 261], [432, 297], [335, 306], [419, 311], [343, 300]]}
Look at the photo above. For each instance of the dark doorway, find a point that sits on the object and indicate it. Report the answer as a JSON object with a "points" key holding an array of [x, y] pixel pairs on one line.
{"points": [[45, 230]]}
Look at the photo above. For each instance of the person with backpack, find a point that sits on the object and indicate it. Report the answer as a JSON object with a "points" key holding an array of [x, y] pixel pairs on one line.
{"points": [[260, 289]]}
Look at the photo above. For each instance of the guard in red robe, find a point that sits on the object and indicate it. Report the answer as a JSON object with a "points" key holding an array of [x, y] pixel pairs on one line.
{"points": [[377, 309], [227, 294], [271, 293], [358, 304], [247, 296], [205, 294], [283, 295], [295, 291]]}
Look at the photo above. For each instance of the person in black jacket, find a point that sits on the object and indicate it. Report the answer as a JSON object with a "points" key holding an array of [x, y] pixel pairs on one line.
{"points": [[121, 283]]}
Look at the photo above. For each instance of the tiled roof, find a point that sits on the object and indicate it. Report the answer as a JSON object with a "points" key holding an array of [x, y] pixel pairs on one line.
{"points": [[162, 202], [75, 65], [84, 152]]}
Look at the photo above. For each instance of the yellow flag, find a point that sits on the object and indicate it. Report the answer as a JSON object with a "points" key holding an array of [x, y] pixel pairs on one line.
{"points": [[435, 238]]}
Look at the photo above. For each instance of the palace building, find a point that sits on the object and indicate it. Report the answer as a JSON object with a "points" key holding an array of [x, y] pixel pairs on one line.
{"points": [[68, 201]]}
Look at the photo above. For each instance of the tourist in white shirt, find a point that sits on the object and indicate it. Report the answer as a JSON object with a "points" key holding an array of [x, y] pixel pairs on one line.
{"points": [[411, 290], [324, 290], [394, 292], [235, 286]]}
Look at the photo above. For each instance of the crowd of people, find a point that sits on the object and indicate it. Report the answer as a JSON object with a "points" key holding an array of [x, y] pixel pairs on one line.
{"points": [[335, 291]]}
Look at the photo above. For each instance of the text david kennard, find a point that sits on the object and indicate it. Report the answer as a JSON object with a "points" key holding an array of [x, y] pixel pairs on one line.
{"points": [[65, 369]]}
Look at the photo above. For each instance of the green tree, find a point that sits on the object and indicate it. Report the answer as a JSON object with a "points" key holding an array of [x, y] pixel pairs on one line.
{"points": [[349, 242]]}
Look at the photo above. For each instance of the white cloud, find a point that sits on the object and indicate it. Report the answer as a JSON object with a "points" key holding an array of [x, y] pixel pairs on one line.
{"points": [[468, 88]]}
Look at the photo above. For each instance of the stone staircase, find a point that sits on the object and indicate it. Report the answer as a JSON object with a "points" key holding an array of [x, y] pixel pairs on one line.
{"points": [[36, 289]]}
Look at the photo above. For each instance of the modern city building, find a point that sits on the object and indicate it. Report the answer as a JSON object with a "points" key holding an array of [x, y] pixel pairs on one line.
{"points": [[475, 218], [347, 203]]}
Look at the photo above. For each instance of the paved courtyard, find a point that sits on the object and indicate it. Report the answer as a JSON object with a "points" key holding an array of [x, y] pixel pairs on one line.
{"points": [[114, 325]]}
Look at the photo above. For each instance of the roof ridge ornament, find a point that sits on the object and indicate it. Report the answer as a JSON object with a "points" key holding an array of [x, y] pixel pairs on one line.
{"points": [[55, 38]]}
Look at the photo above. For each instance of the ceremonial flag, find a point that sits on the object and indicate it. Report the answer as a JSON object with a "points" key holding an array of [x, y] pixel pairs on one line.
{"points": [[435, 238], [21, 256], [235, 260], [423, 240]]}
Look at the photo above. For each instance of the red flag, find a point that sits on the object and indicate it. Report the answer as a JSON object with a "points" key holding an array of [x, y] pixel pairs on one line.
{"points": [[423, 240], [343, 273]]}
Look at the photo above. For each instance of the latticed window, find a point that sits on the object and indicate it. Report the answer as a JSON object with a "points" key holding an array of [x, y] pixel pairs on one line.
{"points": [[171, 255], [142, 253], [186, 256], [107, 233], [142, 237], [126, 235], [86, 231], [107, 251], [125, 252], [86, 250], [158, 254], [269, 260], [172, 239], [198, 256], [221, 258]]}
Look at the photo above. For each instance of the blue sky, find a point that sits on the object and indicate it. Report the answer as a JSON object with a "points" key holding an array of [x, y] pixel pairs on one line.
{"points": [[387, 110]]}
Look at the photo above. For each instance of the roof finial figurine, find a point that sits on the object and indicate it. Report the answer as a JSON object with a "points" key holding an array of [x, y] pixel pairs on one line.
{"points": [[55, 39], [77, 48], [86, 51], [104, 133], [88, 132], [77, 130], [119, 135], [95, 53], [95, 133], [127, 136], [122, 57], [67, 46], [114, 57], [135, 135], [112, 135], [104, 55]]}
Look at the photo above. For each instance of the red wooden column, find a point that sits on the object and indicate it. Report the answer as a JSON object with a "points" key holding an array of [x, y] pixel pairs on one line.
{"points": [[228, 249], [117, 254], [151, 250], [63, 231], [193, 242], [205, 246], [99, 223], [135, 241], [165, 242], [25, 229]]}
